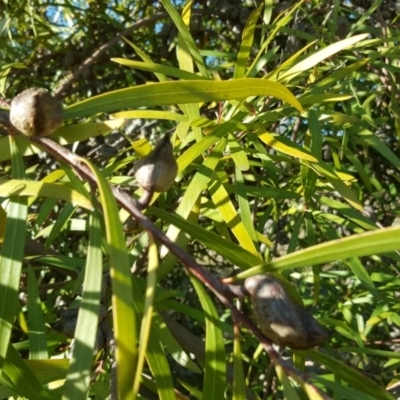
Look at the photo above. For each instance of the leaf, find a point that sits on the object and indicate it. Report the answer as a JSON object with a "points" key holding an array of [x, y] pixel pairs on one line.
{"points": [[180, 92], [64, 135], [12, 256], [247, 42], [88, 318], [231, 251], [239, 382], [288, 389], [172, 345], [214, 367], [122, 300], [159, 367], [222, 202], [340, 74], [319, 56], [159, 68], [244, 206], [22, 188], [37, 329], [350, 375], [378, 145], [147, 311], [186, 35], [290, 148], [150, 114], [323, 98], [362, 244], [16, 375], [46, 371], [238, 155], [337, 183]]}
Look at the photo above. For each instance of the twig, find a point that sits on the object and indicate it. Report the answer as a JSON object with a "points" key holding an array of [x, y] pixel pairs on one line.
{"points": [[222, 291], [214, 284]]}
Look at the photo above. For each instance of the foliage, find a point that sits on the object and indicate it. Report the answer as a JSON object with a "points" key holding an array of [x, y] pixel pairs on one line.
{"points": [[285, 124]]}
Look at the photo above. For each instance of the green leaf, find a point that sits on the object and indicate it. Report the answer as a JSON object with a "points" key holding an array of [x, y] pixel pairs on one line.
{"points": [[37, 329], [147, 311], [362, 244], [231, 251], [285, 146], [159, 367], [186, 35], [12, 256], [246, 44], [78, 378], [151, 114], [64, 135], [180, 92], [238, 155], [17, 376], [334, 178], [63, 218], [122, 300], [319, 56], [172, 345], [378, 145], [215, 367], [239, 382], [288, 389], [350, 375], [159, 68], [46, 371], [244, 206], [22, 188], [222, 202]]}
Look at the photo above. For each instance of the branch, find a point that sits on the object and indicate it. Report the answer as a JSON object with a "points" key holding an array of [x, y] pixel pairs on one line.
{"points": [[214, 284]]}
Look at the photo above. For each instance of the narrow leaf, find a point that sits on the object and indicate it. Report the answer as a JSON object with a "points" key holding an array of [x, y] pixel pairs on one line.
{"points": [[122, 300], [362, 244], [24, 188], [246, 44], [147, 311], [78, 378], [215, 366], [12, 256], [280, 144], [319, 56], [181, 92], [37, 329]]}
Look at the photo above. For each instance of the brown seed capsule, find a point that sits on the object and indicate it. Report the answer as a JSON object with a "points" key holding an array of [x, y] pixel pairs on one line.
{"points": [[157, 171], [35, 112], [280, 318]]}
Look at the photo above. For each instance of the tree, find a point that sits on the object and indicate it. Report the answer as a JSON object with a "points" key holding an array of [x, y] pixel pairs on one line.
{"points": [[284, 122]]}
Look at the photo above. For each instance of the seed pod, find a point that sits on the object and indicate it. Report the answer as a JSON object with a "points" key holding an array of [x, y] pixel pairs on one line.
{"points": [[280, 318], [157, 171], [35, 112]]}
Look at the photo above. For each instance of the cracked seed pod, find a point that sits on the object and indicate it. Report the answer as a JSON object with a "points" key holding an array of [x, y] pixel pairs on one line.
{"points": [[280, 318], [35, 112], [157, 171]]}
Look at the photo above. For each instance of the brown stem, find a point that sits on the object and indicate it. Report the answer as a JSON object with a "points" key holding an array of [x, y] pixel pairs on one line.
{"points": [[214, 284]]}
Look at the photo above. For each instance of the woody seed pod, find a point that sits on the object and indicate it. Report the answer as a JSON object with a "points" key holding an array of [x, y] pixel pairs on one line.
{"points": [[35, 112], [280, 318], [157, 171]]}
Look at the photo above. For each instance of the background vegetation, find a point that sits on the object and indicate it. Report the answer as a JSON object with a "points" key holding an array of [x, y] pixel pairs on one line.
{"points": [[285, 123]]}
